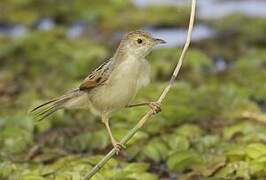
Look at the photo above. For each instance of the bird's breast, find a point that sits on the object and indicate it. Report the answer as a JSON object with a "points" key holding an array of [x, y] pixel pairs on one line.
{"points": [[120, 88]]}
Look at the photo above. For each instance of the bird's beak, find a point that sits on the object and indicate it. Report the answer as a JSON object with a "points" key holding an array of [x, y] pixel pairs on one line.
{"points": [[159, 41]]}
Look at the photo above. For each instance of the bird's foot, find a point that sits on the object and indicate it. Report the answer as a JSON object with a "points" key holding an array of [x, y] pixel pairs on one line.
{"points": [[118, 146], [155, 107]]}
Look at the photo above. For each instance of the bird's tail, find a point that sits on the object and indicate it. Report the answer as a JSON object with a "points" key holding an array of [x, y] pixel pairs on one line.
{"points": [[72, 98]]}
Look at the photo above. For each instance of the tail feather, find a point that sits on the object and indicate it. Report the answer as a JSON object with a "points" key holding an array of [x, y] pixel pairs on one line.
{"points": [[46, 109], [40, 106], [45, 114]]}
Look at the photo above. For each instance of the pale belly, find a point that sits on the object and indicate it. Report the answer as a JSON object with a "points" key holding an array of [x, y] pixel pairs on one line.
{"points": [[118, 91]]}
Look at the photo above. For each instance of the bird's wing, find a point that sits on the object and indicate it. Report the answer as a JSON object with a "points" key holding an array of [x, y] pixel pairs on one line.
{"points": [[98, 76]]}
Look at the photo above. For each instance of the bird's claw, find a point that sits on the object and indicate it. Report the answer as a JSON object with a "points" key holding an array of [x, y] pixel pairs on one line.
{"points": [[155, 107], [118, 147]]}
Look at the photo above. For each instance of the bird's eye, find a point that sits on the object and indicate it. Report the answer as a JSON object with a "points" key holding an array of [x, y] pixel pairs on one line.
{"points": [[139, 41]]}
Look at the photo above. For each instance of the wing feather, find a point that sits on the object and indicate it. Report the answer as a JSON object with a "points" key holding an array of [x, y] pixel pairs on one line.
{"points": [[97, 77]]}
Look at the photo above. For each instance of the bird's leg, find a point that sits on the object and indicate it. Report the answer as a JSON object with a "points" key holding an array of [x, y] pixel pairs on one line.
{"points": [[155, 106], [118, 147]]}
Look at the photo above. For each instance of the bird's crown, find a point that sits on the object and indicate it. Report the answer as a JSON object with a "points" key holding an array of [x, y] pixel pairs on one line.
{"points": [[138, 34]]}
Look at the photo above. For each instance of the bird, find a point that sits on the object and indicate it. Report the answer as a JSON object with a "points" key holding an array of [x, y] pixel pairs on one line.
{"points": [[113, 85]]}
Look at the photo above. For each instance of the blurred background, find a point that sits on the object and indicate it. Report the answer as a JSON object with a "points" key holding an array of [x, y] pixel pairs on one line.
{"points": [[213, 120]]}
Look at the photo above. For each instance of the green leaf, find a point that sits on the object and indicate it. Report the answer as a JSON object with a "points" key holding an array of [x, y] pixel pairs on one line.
{"points": [[183, 160], [189, 130], [210, 140], [156, 150], [255, 150], [211, 168], [235, 170], [32, 177], [176, 142], [236, 153], [142, 176], [258, 166], [90, 140], [243, 170], [15, 140], [136, 167], [243, 128]]}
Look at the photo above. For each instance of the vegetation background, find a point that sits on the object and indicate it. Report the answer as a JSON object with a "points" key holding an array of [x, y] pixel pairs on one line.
{"points": [[213, 121]]}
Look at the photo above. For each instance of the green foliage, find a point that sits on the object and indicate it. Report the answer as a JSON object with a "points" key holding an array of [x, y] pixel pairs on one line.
{"points": [[251, 31], [16, 135], [251, 65], [183, 160], [211, 125], [194, 68], [156, 150], [103, 14]]}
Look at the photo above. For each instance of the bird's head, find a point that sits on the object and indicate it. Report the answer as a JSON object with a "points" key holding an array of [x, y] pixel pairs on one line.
{"points": [[139, 43]]}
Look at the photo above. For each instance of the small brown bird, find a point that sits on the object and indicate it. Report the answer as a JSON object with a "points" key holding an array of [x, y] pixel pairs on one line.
{"points": [[113, 85]]}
